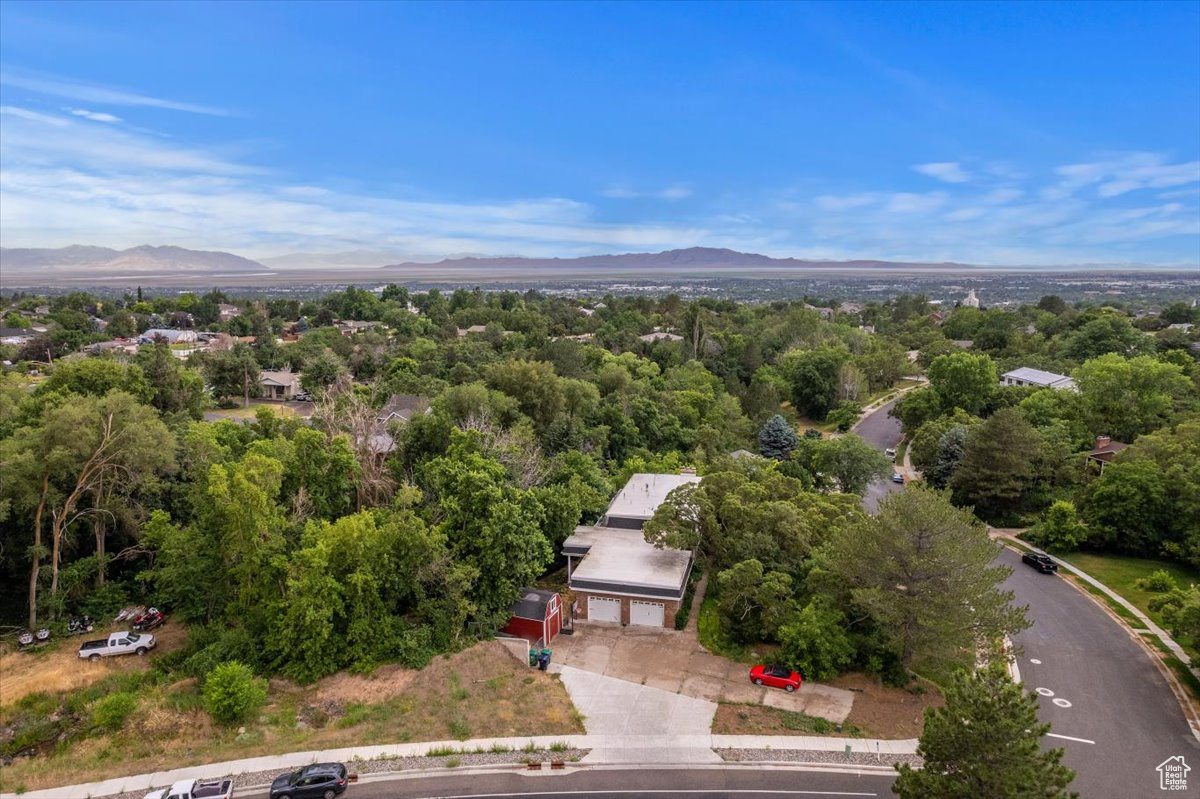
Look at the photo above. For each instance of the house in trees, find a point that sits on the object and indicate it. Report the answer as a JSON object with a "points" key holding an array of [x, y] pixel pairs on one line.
{"points": [[227, 311], [1026, 376], [168, 334], [17, 335], [615, 575], [401, 408], [1105, 450], [658, 335], [281, 385], [537, 617]]}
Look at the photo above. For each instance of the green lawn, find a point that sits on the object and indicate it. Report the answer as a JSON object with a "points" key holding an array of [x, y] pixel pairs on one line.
{"points": [[1120, 572]]}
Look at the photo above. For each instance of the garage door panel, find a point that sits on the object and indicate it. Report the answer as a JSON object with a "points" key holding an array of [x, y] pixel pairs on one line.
{"points": [[646, 614], [604, 609]]}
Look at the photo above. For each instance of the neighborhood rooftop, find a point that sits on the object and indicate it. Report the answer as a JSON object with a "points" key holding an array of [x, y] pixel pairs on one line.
{"points": [[1027, 376], [644, 493], [620, 560]]}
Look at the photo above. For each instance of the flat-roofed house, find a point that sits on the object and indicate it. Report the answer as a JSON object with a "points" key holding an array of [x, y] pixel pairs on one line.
{"points": [[615, 575], [1025, 376]]}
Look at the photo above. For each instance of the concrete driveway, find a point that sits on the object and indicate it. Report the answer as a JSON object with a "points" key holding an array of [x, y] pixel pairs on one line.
{"points": [[674, 661]]}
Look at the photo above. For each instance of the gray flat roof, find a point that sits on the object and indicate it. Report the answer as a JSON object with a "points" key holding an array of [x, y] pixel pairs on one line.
{"points": [[644, 493], [1038, 377], [622, 558]]}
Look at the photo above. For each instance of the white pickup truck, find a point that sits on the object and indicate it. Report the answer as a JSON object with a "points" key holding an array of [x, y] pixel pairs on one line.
{"points": [[123, 643], [195, 789]]}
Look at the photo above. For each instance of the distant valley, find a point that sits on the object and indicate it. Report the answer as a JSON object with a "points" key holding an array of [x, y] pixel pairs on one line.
{"points": [[81, 265]]}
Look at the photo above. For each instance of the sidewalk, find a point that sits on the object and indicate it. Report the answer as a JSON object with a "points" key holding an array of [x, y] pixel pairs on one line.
{"points": [[608, 749]]}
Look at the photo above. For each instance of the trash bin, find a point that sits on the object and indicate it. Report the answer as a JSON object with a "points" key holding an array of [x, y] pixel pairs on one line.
{"points": [[534, 654], [544, 659]]}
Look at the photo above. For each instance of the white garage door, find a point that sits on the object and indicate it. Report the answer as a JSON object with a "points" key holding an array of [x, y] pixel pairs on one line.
{"points": [[646, 614], [604, 609]]}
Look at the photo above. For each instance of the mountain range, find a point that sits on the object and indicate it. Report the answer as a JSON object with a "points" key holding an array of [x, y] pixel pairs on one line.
{"points": [[87, 261], [81, 264], [709, 260]]}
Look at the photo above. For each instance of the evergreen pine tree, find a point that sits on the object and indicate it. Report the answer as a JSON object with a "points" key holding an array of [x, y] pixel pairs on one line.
{"points": [[777, 439], [985, 742]]}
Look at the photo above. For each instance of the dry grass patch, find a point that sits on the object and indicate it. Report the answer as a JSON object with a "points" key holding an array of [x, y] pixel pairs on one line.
{"points": [[482, 692], [57, 667], [746, 719]]}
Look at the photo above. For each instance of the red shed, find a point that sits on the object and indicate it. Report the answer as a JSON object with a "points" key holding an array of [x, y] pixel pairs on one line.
{"points": [[536, 616]]}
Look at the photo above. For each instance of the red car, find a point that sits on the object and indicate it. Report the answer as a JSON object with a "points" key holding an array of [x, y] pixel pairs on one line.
{"points": [[776, 677]]}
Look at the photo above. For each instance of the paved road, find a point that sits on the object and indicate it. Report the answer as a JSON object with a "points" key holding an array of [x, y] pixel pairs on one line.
{"points": [[1117, 697], [694, 782], [882, 431]]}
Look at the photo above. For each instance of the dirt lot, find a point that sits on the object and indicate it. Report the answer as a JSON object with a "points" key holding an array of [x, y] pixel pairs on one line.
{"points": [[57, 667], [882, 711], [479, 693]]}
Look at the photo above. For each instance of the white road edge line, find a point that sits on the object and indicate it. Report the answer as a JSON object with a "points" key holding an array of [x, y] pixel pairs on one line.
{"points": [[1069, 738], [724, 792]]}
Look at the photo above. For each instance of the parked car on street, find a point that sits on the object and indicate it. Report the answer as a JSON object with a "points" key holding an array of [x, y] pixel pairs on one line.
{"points": [[123, 643], [316, 781], [1043, 563], [195, 789], [776, 677]]}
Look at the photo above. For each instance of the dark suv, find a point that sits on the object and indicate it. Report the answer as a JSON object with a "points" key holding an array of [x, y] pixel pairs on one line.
{"points": [[1043, 563], [318, 781]]}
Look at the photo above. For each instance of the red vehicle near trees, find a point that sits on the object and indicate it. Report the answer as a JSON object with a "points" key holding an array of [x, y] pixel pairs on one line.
{"points": [[776, 677]]}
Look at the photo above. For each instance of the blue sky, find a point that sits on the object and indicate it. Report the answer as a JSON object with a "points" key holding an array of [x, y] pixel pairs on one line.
{"points": [[1010, 133]]}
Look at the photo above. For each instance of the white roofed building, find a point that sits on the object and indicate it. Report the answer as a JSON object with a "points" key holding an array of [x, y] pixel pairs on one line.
{"points": [[615, 575], [1026, 376]]}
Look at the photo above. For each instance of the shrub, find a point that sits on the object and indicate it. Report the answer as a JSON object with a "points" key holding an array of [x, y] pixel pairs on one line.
{"points": [[232, 692], [104, 601], [1061, 530], [110, 712], [845, 415], [1159, 581], [815, 642]]}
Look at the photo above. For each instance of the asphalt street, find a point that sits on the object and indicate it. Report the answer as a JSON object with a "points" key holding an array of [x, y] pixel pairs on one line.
{"points": [[661, 783], [882, 432], [1097, 685]]}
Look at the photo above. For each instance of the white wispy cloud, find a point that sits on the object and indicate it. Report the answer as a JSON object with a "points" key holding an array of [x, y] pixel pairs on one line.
{"points": [[1116, 176], [945, 171], [95, 116], [33, 116], [100, 95], [911, 203], [64, 179], [842, 202], [668, 193]]}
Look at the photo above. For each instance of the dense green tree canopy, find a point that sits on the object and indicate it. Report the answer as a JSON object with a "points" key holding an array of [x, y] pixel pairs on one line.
{"points": [[985, 741]]}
